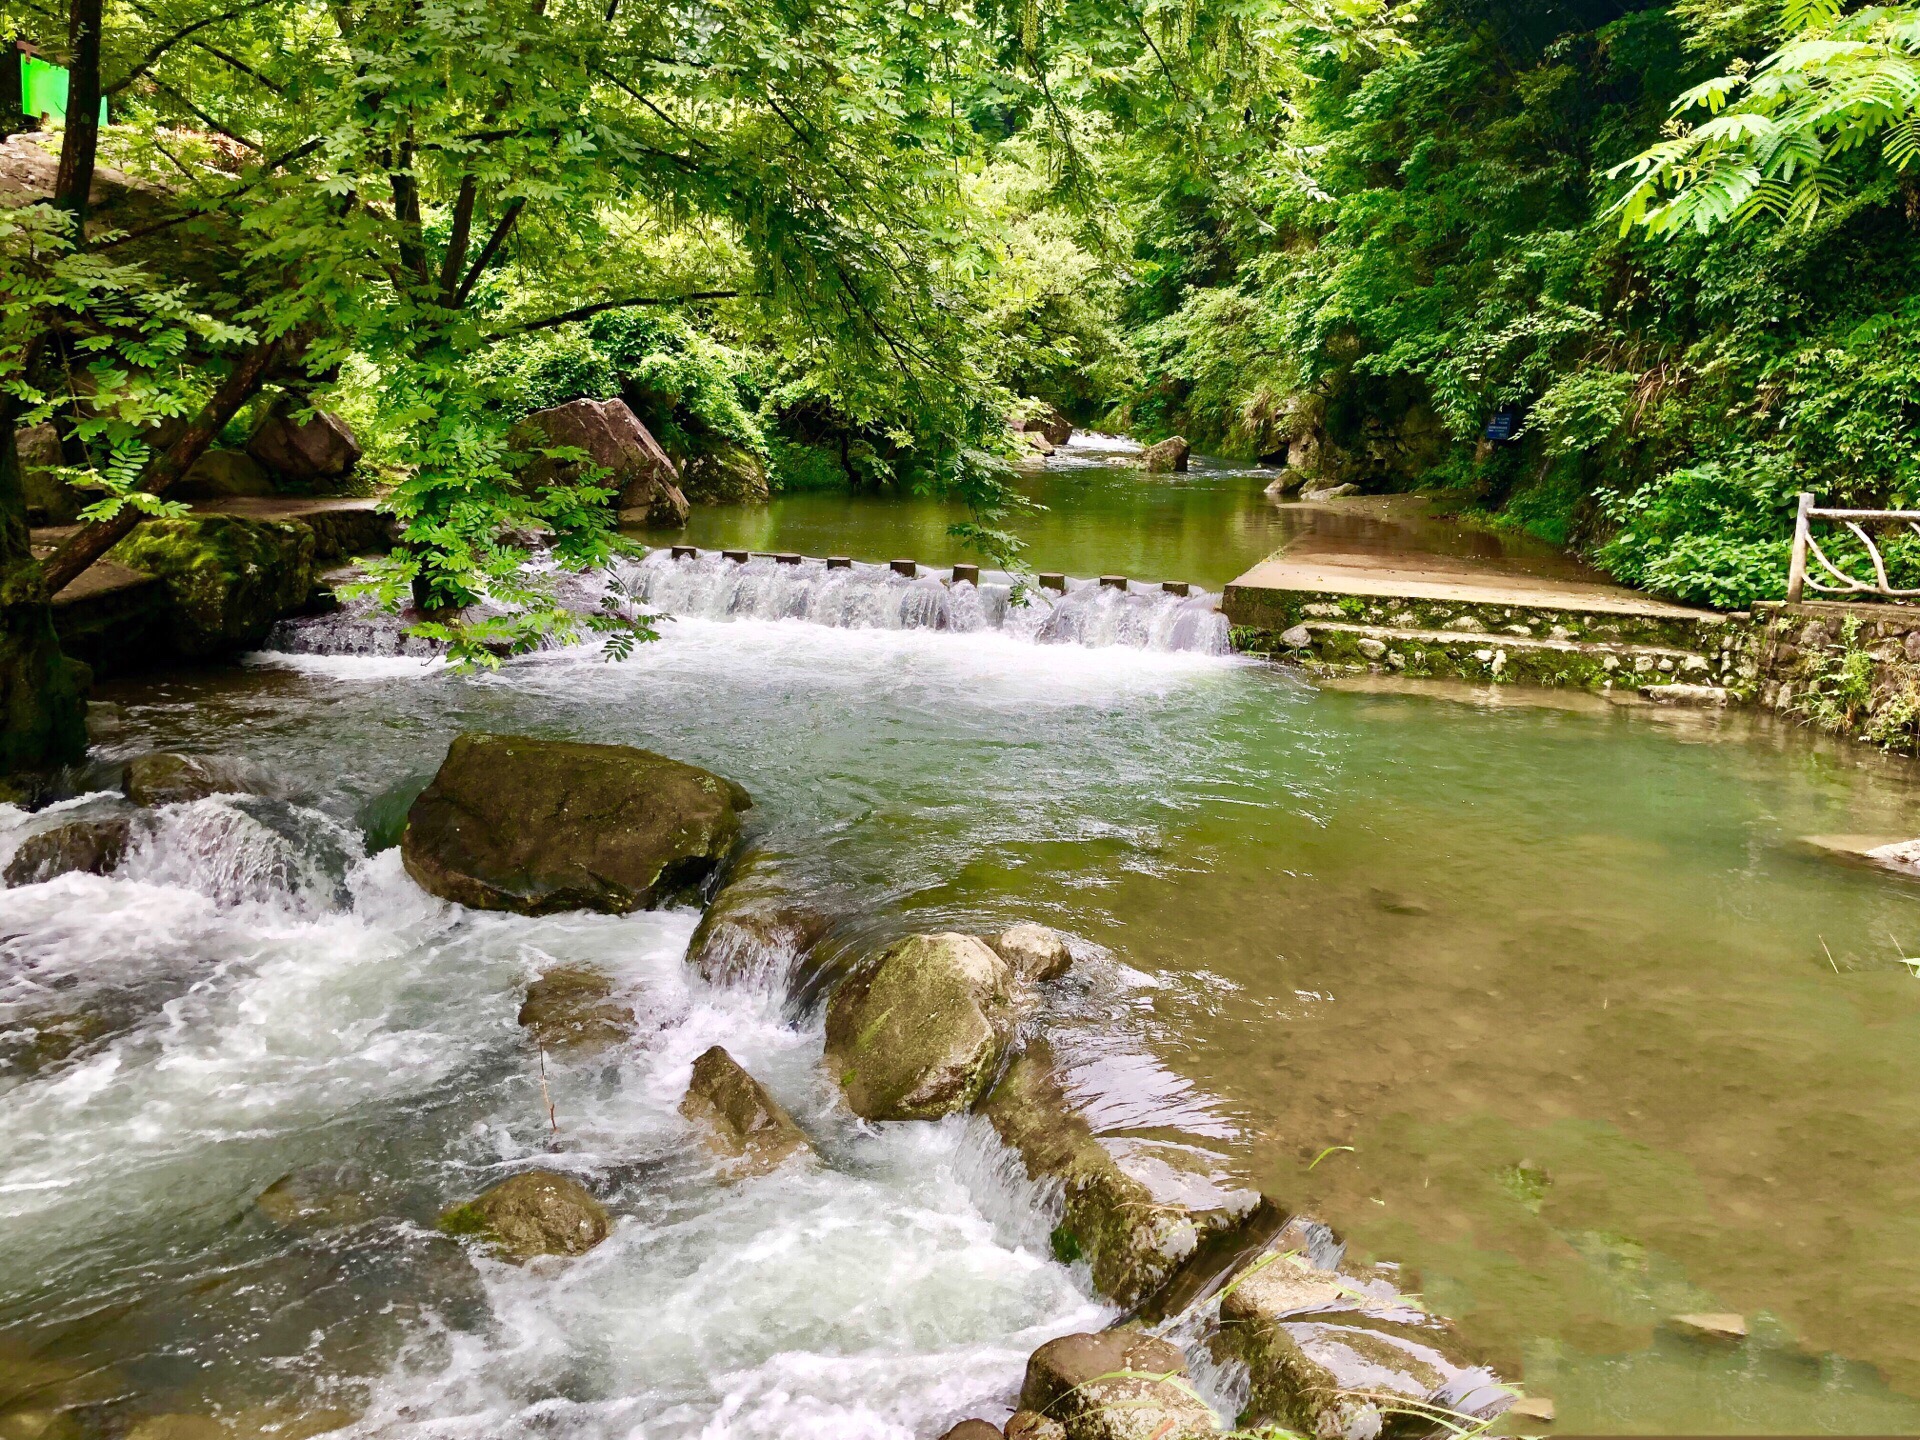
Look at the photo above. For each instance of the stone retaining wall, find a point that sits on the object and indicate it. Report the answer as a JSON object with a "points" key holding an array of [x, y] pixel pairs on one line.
{"points": [[1849, 669]]}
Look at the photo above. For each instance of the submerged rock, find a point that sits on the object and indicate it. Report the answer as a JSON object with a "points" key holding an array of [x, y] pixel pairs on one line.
{"points": [[318, 1197], [1721, 1327], [1115, 1385], [638, 471], [572, 1007], [756, 928], [1034, 952], [167, 778], [228, 578], [1167, 455], [534, 1213], [540, 826], [1331, 1353], [919, 1032], [92, 847], [32, 1044], [744, 1124], [1133, 1210]]}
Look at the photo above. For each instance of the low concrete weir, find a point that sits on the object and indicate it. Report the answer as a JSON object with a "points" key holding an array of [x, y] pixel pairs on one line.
{"points": [[903, 595]]}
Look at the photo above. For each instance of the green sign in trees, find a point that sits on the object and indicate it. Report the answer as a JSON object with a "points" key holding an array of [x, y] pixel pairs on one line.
{"points": [[43, 90]]}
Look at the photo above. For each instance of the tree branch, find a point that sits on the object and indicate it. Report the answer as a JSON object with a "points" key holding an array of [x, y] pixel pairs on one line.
{"points": [[459, 236], [490, 249], [584, 312], [161, 47], [94, 540]]}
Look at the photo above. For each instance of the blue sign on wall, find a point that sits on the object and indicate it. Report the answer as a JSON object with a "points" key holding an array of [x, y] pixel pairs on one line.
{"points": [[1503, 423]]}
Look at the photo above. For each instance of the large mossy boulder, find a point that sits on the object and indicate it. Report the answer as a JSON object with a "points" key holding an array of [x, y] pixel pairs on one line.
{"points": [[1049, 422], [1168, 455], [88, 847], [725, 474], [541, 826], [1136, 1211], [228, 578], [535, 1213], [638, 470], [741, 1122], [319, 450], [572, 1007], [1116, 1385], [920, 1031]]}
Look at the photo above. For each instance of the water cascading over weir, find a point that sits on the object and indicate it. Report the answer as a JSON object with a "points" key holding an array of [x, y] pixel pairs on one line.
{"points": [[840, 593]]}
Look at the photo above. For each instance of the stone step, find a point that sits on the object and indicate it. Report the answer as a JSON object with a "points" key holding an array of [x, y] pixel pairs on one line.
{"points": [[1343, 646]]}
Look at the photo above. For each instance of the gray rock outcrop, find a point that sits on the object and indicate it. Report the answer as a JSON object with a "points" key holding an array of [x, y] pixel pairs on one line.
{"points": [[1166, 456], [316, 450], [540, 826], [1034, 952], [645, 483], [169, 778], [740, 1121], [725, 474], [919, 1031], [92, 847], [757, 929]]}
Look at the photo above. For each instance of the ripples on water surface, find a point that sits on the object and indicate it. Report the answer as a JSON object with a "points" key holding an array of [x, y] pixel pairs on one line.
{"points": [[1558, 976]]}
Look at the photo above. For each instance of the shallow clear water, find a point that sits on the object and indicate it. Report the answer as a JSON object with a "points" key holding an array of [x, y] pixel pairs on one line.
{"points": [[1559, 976]]}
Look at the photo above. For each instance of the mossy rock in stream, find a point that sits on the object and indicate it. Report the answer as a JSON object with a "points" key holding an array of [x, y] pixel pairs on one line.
{"points": [[1116, 1384], [919, 1032], [739, 1119], [534, 1213], [228, 578], [541, 826]]}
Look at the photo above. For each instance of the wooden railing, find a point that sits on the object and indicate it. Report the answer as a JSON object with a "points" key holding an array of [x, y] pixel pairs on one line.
{"points": [[1805, 547]]}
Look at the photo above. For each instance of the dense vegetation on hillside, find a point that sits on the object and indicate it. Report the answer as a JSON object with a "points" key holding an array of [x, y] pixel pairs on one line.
{"points": [[846, 239]]}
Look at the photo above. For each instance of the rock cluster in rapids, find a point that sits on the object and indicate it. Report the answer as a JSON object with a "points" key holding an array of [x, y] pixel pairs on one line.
{"points": [[920, 1027]]}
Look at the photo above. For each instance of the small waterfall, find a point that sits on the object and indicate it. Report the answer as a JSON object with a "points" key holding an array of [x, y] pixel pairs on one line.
{"points": [[856, 597], [873, 597]]}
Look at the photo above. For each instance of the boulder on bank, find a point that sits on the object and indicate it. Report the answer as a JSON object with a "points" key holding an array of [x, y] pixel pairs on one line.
{"points": [[740, 1121], [535, 1213], [541, 826], [1134, 1210], [1034, 952], [223, 475], [228, 578], [1167, 455], [756, 929], [919, 1031], [638, 470], [1331, 1353], [91, 847], [316, 450], [1050, 423], [572, 1007], [49, 499], [168, 778], [726, 474], [1116, 1385]]}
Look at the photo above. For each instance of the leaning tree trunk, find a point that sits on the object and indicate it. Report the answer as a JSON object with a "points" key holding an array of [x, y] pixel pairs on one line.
{"points": [[43, 704]]}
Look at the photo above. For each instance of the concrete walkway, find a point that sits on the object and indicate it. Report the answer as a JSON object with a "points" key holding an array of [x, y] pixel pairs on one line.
{"points": [[1393, 547]]}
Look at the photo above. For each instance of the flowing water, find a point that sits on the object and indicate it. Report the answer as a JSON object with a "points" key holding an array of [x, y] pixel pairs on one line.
{"points": [[1537, 996]]}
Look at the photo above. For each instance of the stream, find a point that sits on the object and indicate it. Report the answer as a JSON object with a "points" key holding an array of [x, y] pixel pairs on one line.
{"points": [[1534, 994]]}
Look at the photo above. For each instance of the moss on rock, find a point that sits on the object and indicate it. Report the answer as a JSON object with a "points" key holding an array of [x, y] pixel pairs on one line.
{"points": [[741, 1122], [228, 578], [919, 1032], [534, 1213], [572, 1007]]}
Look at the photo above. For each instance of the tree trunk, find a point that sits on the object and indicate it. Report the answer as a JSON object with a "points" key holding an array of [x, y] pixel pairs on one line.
{"points": [[73, 186], [43, 706]]}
